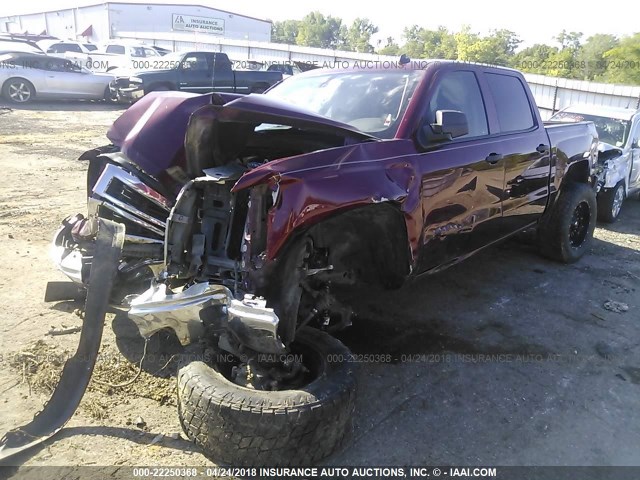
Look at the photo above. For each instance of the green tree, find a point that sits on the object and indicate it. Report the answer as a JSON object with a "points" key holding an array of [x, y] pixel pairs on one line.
{"points": [[391, 48], [439, 43], [534, 59], [498, 48], [359, 35], [319, 31], [285, 32], [624, 62], [414, 43], [570, 40], [423, 43], [591, 55], [467, 44]]}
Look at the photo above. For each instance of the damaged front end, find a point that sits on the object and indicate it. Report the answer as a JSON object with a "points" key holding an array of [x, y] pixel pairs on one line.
{"points": [[204, 251], [613, 166]]}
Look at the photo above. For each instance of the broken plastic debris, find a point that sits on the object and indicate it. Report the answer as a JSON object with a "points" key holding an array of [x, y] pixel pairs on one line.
{"points": [[617, 307]]}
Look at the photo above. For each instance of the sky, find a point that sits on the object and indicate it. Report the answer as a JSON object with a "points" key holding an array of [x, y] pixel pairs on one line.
{"points": [[544, 20]]}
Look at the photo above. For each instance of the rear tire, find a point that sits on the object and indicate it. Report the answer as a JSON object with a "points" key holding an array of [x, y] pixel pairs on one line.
{"points": [[610, 203], [567, 233], [239, 426]]}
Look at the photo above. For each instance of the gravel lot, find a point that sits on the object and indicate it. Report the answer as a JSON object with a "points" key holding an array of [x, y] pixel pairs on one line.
{"points": [[508, 359]]}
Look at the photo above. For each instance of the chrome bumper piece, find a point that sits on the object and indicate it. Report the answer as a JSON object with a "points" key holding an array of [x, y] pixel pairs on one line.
{"points": [[249, 321]]}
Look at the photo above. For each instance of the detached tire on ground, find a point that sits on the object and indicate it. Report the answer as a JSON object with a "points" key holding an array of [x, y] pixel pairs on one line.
{"points": [[239, 426], [567, 233], [610, 202]]}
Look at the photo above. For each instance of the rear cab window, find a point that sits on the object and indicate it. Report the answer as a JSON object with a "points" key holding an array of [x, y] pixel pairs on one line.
{"points": [[511, 101]]}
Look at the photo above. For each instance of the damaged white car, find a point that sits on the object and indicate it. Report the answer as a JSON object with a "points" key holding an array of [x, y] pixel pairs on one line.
{"points": [[619, 153]]}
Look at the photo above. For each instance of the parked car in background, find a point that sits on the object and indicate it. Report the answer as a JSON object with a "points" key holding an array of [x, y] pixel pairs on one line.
{"points": [[128, 56], [71, 47], [9, 44], [619, 153], [161, 50], [25, 76], [197, 72], [289, 69]]}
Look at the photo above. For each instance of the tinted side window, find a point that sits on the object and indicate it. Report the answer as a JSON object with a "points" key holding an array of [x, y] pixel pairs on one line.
{"points": [[119, 49], [512, 103], [65, 47], [196, 62], [635, 135], [460, 91], [55, 64]]}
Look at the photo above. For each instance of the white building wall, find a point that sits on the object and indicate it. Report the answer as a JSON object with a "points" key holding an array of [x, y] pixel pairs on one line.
{"points": [[97, 17], [140, 18], [110, 19]]}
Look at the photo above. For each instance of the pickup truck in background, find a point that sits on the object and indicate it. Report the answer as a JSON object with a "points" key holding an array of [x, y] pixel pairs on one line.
{"points": [[196, 72], [268, 216], [618, 153]]}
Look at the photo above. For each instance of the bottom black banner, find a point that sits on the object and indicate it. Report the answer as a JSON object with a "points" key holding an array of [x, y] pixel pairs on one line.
{"points": [[321, 473]]}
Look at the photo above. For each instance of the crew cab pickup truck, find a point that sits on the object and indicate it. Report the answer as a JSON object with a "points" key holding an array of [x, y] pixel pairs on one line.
{"points": [[618, 153], [197, 72], [266, 215]]}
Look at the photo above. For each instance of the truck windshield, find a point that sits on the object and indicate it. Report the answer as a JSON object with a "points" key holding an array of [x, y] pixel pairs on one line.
{"points": [[610, 130], [373, 102]]}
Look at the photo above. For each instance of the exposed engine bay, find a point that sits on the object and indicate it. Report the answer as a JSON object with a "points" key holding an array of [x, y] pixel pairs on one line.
{"points": [[204, 251]]}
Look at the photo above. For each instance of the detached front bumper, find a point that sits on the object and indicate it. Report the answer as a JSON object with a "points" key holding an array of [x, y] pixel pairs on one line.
{"points": [[124, 90]]}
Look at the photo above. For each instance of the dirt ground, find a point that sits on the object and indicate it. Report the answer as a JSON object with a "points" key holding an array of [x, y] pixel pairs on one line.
{"points": [[508, 359]]}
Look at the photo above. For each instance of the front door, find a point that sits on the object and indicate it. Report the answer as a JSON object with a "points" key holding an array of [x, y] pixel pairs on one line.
{"points": [[196, 72], [462, 180], [634, 176]]}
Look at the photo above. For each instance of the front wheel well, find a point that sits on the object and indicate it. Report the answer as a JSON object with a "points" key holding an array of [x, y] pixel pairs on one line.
{"points": [[324, 265], [579, 172], [367, 244]]}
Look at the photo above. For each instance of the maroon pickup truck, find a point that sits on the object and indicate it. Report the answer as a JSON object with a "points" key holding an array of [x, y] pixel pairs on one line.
{"points": [[255, 218]]}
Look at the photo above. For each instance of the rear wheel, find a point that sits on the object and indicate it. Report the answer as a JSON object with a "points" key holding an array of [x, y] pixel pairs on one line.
{"points": [[567, 234], [610, 202], [18, 90], [237, 425]]}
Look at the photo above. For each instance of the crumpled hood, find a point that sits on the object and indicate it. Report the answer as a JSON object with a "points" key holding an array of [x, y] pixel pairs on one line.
{"points": [[151, 132], [606, 151]]}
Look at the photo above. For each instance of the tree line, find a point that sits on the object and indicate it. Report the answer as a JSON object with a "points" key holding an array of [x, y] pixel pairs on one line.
{"points": [[600, 57]]}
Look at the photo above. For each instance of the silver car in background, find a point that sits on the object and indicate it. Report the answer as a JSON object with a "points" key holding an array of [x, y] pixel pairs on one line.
{"points": [[25, 76]]}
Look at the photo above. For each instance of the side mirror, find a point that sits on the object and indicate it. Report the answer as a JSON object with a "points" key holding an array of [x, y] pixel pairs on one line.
{"points": [[449, 124]]}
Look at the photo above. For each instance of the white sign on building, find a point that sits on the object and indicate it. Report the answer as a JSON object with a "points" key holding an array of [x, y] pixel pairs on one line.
{"points": [[198, 24]]}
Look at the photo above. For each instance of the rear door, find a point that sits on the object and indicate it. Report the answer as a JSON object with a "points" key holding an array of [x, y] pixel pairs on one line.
{"points": [[523, 144]]}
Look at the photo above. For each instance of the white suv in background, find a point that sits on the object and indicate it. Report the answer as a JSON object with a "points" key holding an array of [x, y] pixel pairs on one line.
{"points": [[130, 56]]}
